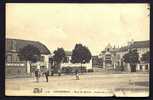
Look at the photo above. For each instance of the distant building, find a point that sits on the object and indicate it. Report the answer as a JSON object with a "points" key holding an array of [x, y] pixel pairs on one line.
{"points": [[113, 57], [14, 65], [108, 57], [142, 47]]}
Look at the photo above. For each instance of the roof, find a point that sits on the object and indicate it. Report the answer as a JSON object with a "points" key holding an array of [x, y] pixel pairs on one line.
{"points": [[123, 49], [141, 44], [113, 50], [18, 44], [136, 44]]}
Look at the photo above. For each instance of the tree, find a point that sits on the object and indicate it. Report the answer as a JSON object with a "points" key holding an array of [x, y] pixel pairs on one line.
{"points": [[146, 57], [29, 53], [58, 57], [80, 54], [132, 57]]}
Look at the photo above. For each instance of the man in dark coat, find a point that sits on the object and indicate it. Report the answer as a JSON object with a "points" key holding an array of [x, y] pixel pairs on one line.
{"points": [[46, 75], [77, 74], [37, 75]]}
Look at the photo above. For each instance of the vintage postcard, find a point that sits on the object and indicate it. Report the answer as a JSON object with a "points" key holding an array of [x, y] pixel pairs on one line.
{"points": [[72, 49]]}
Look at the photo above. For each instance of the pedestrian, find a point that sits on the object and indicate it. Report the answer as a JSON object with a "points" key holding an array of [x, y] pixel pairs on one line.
{"points": [[33, 74], [52, 71], [37, 75], [59, 72], [77, 74], [46, 75]]}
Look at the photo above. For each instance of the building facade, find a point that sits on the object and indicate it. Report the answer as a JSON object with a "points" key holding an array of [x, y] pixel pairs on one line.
{"points": [[113, 57], [142, 47], [14, 65], [108, 56]]}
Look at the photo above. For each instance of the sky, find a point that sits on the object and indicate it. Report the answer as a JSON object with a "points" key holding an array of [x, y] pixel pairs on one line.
{"points": [[64, 25]]}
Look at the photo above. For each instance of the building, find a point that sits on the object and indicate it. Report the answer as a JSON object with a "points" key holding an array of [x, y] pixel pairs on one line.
{"points": [[14, 65], [68, 63], [108, 56], [142, 47], [113, 57]]}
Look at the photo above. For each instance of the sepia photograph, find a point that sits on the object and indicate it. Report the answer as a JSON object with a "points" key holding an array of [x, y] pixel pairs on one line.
{"points": [[74, 49]]}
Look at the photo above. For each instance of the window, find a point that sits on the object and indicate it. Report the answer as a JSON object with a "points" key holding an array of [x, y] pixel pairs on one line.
{"points": [[42, 58], [140, 67], [108, 57], [108, 61], [13, 57], [13, 44], [146, 67], [9, 58], [118, 56]]}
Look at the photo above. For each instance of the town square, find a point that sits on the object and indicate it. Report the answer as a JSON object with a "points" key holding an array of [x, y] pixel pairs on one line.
{"points": [[77, 50], [121, 84]]}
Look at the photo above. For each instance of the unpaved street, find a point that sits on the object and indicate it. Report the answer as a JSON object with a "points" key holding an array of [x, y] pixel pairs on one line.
{"points": [[119, 84]]}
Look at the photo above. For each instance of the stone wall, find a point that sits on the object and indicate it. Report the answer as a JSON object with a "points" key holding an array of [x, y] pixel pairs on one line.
{"points": [[15, 70]]}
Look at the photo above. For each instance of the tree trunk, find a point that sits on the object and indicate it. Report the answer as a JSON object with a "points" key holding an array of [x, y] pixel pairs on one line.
{"points": [[28, 66], [59, 69], [81, 67], [122, 67]]}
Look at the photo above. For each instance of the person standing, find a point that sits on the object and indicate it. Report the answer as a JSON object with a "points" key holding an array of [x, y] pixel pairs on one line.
{"points": [[52, 71], [46, 75], [37, 75], [77, 74], [59, 72]]}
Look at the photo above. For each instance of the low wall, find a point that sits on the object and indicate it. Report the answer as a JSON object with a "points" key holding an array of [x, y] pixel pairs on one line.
{"points": [[15, 69], [87, 65]]}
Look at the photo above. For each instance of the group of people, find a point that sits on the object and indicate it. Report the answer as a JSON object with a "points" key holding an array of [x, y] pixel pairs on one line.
{"points": [[46, 73], [38, 74]]}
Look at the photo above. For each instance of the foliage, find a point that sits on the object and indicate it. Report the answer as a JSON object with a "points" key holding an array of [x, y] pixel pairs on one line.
{"points": [[66, 59], [59, 55], [146, 57], [30, 53], [80, 54], [131, 57]]}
